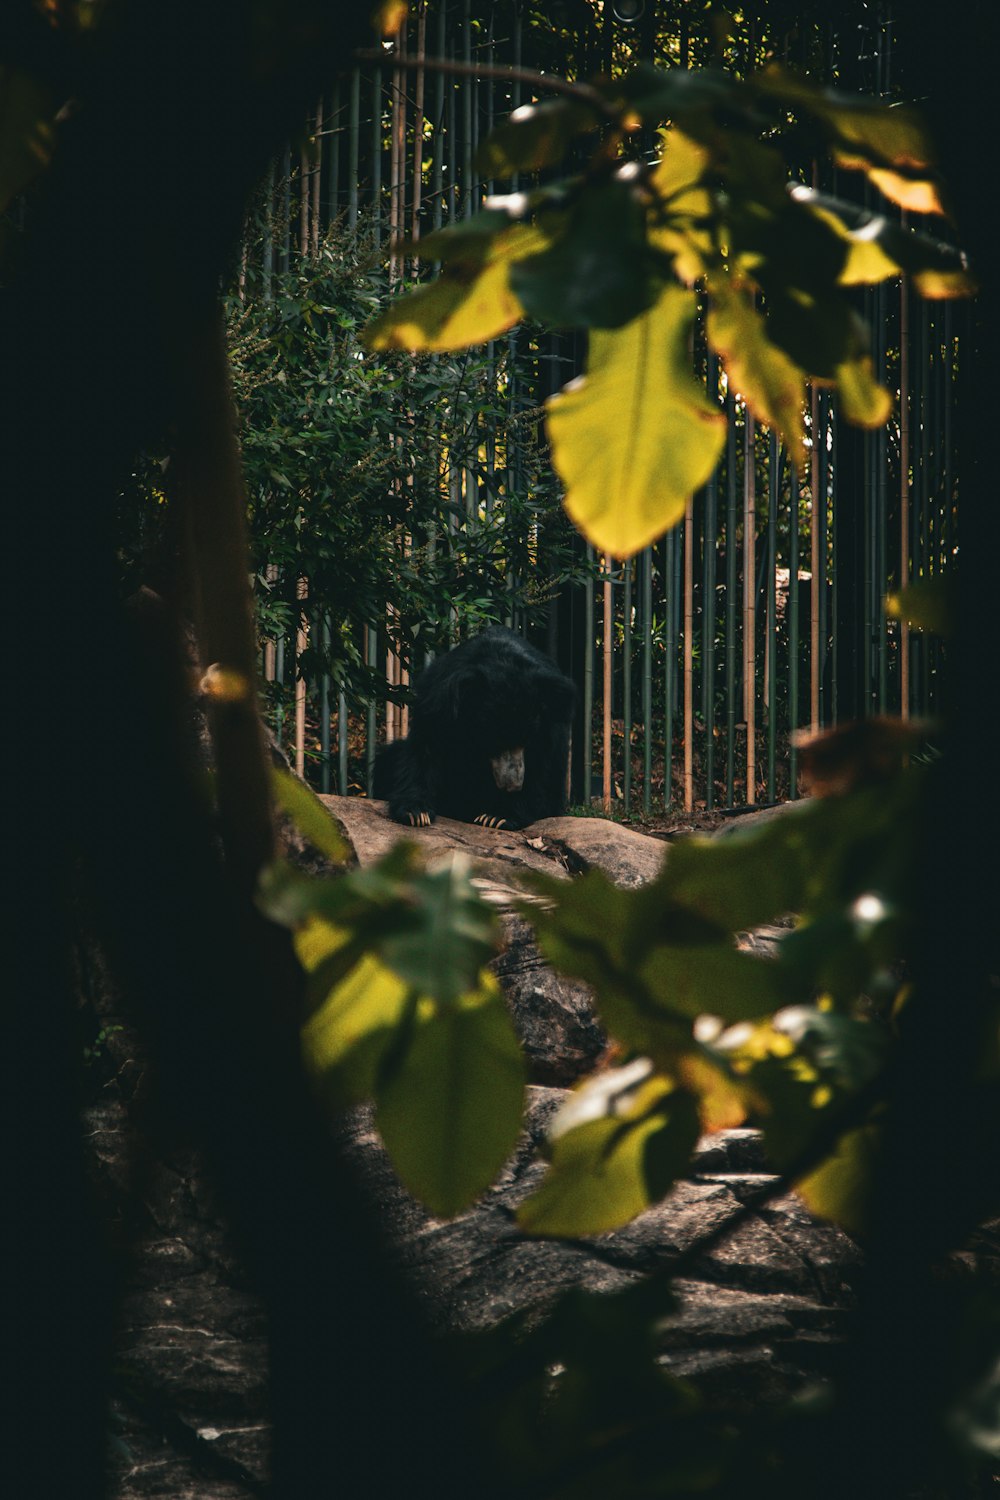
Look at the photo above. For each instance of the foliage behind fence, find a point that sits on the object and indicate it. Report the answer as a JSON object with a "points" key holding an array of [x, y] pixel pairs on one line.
{"points": [[404, 501]]}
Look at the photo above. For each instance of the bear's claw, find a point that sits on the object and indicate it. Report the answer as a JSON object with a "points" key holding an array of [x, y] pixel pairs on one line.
{"points": [[486, 821]]}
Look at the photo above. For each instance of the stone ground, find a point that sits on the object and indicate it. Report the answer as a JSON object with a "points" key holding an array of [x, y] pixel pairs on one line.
{"points": [[760, 1312]]}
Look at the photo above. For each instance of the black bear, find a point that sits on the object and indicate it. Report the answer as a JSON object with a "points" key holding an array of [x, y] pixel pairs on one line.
{"points": [[488, 740]]}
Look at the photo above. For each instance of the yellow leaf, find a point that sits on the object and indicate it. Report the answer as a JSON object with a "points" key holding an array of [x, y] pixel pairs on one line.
{"points": [[368, 1003], [468, 304], [939, 285], [635, 435], [862, 400], [841, 1188], [768, 380], [677, 228], [680, 166], [919, 194]]}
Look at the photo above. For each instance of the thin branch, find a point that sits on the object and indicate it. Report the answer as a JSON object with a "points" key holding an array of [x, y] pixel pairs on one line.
{"points": [[584, 92]]}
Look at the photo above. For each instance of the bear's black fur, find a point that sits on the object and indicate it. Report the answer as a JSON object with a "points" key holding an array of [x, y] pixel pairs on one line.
{"points": [[474, 710]]}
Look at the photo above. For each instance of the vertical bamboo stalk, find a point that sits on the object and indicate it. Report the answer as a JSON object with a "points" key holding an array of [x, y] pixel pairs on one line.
{"points": [[669, 666], [815, 564], [270, 651], [342, 727], [267, 265], [371, 729], [588, 682], [437, 174], [286, 210], [304, 185], [333, 155], [317, 176], [689, 656], [792, 606], [627, 684], [750, 605], [353, 138], [771, 654], [324, 709], [607, 647], [731, 613], [708, 608], [904, 487], [418, 121], [468, 94], [377, 155], [647, 678], [301, 643], [396, 158]]}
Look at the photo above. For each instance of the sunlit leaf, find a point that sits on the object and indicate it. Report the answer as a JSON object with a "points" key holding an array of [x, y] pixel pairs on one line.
{"points": [[678, 224], [878, 248], [772, 384], [841, 1189], [609, 1168], [449, 1109], [919, 194], [635, 435], [346, 1040], [467, 304], [862, 400], [309, 815], [535, 136]]}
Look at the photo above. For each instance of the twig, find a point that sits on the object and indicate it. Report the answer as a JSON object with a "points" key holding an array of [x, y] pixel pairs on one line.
{"points": [[584, 92]]}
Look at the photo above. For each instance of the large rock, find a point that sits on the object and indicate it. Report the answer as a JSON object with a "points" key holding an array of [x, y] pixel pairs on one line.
{"points": [[760, 1311], [554, 1016]]}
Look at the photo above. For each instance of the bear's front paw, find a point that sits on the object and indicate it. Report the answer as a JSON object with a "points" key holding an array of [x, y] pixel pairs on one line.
{"points": [[486, 820], [412, 818]]}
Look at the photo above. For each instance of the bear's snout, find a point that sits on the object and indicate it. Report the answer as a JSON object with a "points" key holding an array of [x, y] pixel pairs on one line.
{"points": [[508, 770]]}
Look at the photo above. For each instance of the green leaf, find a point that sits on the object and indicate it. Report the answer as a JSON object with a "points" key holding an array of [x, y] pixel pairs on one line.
{"points": [[597, 274], [619, 1161], [535, 136], [636, 435], [751, 876], [309, 815], [717, 980], [449, 1110], [772, 384], [456, 934], [346, 1041], [470, 302]]}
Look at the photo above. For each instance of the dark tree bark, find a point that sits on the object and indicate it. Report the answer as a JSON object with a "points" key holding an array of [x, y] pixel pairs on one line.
{"points": [[115, 296]]}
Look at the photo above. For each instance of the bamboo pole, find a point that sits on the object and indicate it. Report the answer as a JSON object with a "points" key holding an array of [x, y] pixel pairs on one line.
{"points": [[353, 138], [418, 121], [317, 176], [607, 650], [904, 488], [815, 563], [304, 185], [627, 684], [750, 605], [301, 643], [689, 656]]}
